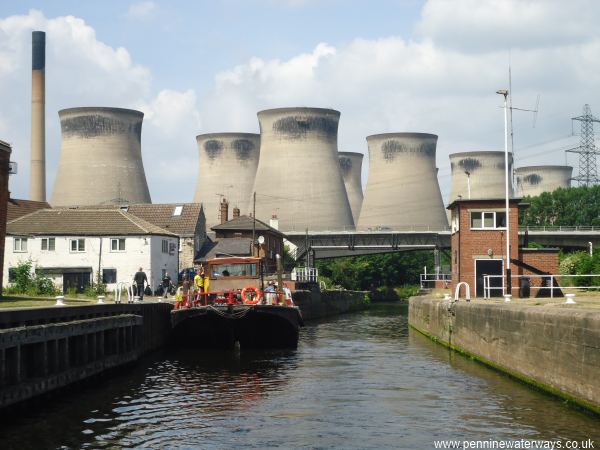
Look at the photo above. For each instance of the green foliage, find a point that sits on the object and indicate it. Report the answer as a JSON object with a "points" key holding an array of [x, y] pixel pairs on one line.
{"points": [[407, 291], [367, 273], [564, 207], [581, 263], [26, 282], [71, 292]]}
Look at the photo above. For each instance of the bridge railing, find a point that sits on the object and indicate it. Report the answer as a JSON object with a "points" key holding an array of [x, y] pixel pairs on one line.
{"points": [[549, 283], [563, 228]]}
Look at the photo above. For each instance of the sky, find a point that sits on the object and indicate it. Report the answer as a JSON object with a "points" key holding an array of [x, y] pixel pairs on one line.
{"points": [[387, 65]]}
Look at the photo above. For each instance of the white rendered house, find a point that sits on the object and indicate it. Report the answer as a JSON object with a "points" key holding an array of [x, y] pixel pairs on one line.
{"points": [[71, 246]]}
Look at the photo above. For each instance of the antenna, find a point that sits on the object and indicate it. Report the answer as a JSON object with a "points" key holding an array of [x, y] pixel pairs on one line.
{"points": [[511, 108]]}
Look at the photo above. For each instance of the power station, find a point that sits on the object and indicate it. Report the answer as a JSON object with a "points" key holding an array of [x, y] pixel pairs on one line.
{"points": [[479, 174], [37, 181], [533, 180], [351, 168], [100, 158], [227, 167], [298, 177], [402, 190]]}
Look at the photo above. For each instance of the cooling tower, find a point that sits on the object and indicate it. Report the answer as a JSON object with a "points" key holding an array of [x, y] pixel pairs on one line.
{"points": [[298, 176], [227, 167], [485, 177], [351, 167], [100, 158], [534, 180], [37, 181], [402, 190]]}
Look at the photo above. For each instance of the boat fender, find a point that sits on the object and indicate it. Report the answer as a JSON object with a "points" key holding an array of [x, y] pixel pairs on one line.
{"points": [[249, 301]]}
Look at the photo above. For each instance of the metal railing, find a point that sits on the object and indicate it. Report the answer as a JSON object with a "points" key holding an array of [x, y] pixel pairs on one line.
{"points": [[550, 228], [429, 279], [550, 279], [305, 274]]}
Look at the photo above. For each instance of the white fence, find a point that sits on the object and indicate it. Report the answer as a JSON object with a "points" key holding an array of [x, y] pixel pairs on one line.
{"points": [[547, 282], [427, 280], [305, 274]]}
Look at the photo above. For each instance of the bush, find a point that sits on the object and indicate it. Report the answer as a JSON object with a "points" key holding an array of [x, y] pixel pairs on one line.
{"points": [[26, 282], [580, 263]]}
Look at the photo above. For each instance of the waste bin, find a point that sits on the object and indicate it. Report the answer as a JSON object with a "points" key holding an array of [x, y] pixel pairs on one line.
{"points": [[524, 287]]}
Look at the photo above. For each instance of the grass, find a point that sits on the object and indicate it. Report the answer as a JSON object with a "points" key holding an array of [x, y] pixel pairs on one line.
{"points": [[14, 301]]}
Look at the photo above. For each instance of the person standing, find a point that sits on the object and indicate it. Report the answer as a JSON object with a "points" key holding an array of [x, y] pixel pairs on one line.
{"points": [[166, 283], [199, 283], [185, 287], [139, 279]]}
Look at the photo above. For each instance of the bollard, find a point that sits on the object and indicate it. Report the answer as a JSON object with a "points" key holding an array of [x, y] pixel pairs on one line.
{"points": [[570, 300], [447, 297], [60, 300], [136, 299], [507, 298], [101, 299]]}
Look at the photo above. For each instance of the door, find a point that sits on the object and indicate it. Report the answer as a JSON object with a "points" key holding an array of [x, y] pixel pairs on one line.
{"points": [[77, 280], [488, 267]]}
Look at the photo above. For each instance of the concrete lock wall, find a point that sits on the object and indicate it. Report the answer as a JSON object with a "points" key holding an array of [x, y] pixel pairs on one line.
{"points": [[298, 176], [317, 304], [402, 191], [351, 169], [227, 164], [533, 180], [553, 349], [100, 158], [486, 175]]}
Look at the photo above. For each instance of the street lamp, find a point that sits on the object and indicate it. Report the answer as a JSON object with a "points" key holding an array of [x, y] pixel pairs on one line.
{"points": [[504, 92]]}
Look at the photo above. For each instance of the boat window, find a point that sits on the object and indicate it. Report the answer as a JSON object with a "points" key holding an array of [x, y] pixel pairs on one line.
{"points": [[234, 270]]}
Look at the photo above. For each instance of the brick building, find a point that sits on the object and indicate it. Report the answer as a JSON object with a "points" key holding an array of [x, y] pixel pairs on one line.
{"points": [[479, 246]]}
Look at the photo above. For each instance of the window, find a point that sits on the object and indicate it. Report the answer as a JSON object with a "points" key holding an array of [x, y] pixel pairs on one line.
{"points": [[78, 245], [488, 220], [109, 276], [177, 211], [48, 244], [12, 274], [117, 245], [19, 244], [165, 246], [234, 270]]}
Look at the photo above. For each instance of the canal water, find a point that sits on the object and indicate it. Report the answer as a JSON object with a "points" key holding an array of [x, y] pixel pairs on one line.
{"points": [[362, 380]]}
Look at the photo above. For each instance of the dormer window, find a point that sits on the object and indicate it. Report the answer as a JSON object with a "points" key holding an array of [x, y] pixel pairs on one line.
{"points": [[177, 211]]}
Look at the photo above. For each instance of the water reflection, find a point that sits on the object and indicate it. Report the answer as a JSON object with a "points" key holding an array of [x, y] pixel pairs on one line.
{"points": [[356, 381]]}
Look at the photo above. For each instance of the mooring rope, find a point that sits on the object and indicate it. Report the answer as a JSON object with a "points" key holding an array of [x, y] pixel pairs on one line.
{"points": [[234, 315]]}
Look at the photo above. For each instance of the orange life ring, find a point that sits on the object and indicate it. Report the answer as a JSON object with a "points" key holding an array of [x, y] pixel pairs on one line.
{"points": [[257, 295]]}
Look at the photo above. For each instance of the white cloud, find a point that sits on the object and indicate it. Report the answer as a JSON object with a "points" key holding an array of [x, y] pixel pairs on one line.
{"points": [[142, 10]]}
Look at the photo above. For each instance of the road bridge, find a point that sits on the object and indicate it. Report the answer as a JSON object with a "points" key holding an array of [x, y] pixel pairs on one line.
{"points": [[332, 244]]}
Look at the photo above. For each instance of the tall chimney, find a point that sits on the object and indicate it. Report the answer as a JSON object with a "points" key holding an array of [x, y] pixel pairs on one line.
{"points": [[224, 210], [37, 182]]}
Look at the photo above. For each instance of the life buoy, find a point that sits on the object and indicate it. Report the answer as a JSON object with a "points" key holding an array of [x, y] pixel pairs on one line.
{"points": [[249, 301]]}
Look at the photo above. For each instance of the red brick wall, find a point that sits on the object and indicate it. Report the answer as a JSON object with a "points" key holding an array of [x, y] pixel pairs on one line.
{"points": [[542, 259], [4, 160], [469, 245]]}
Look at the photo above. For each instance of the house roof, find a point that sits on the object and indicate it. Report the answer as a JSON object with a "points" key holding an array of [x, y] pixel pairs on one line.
{"points": [[163, 216], [82, 222], [245, 223], [227, 247], [18, 208]]}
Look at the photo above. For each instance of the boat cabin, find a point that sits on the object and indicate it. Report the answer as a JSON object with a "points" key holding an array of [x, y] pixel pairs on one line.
{"points": [[230, 274]]}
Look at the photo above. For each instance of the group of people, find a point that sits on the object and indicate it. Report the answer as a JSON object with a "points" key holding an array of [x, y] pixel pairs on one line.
{"points": [[140, 281], [197, 286]]}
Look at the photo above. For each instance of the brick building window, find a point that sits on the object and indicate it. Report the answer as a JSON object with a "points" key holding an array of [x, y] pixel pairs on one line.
{"points": [[48, 244], [19, 245], [488, 220]]}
